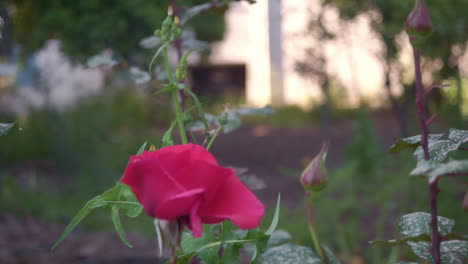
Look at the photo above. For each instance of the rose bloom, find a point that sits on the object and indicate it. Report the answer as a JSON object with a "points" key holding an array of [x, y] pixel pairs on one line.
{"points": [[186, 182]]}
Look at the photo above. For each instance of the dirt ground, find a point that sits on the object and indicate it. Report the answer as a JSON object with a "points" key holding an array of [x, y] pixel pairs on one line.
{"points": [[263, 149]]}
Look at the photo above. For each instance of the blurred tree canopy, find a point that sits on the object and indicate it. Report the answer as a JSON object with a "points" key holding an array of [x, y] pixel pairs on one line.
{"points": [[449, 20], [86, 27]]}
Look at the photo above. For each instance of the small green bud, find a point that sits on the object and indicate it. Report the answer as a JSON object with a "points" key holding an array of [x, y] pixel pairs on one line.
{"points": [[166, 27], [152, 148], [314, 178], [157, 33], [223, 119], [418, 24]]}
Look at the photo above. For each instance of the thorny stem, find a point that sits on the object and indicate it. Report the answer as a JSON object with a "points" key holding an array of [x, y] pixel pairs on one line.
{"points": [[175, 97], [310, 223], [433, 189], [178, 47], [180, 228], [213, 137]]}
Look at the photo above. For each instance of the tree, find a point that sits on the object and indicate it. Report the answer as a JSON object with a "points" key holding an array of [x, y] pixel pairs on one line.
{"points": [[450, 25], [86, 27]]}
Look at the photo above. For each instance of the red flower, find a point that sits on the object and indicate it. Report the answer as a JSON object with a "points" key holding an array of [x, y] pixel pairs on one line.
{"points": [[185, 181]]}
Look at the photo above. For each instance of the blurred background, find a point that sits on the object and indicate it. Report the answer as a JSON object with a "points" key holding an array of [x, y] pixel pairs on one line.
{"points": [[331, 69]]}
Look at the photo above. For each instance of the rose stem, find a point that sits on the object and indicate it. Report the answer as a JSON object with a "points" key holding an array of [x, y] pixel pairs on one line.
{"points": [[213, 137], [175, 97], [433, 189], [180, 93], [310, 223], [180, 228]]}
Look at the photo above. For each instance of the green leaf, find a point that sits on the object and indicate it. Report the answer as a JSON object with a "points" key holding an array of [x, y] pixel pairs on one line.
{"points": [[332, 259], [184, 259], [142, 148], [416, 224], [396, 242], [423, 167], [206, 246], [290, 254], [274, 222], [279, 237], [150, 67], [458, 135], [267, 110], [422, 250], [166, 88], [167, 137], [98, 201], [199, 107], [233, 116], [5, 127], [233, 122], [118, 225], [404, 262], [452, 251], [132, 209], [412, 142], [438, 150], [451, 167]]}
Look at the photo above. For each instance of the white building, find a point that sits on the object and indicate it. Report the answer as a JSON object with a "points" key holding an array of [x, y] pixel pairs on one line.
{"points": [[269, 36]]}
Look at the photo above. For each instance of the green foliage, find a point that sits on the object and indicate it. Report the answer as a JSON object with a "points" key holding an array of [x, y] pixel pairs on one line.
{"points": [[439, 146], [230, 120], [118, 197], [448, 20], [5, 127], [291, 254], [88, 27], [412, 142], [452, 252], [229, 240], [416, 230], [364, 146]]}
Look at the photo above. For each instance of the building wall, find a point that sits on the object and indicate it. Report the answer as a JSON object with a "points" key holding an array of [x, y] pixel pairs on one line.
{"points": [[352, 58]]}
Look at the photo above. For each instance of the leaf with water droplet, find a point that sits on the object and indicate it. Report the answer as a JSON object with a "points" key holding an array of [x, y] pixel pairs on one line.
{"points": [[291, 254], [412, 142], [416, 224], [5, 127]]}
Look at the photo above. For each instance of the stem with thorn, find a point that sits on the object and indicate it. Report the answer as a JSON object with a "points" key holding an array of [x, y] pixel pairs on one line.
{"points": [[433, 188]]}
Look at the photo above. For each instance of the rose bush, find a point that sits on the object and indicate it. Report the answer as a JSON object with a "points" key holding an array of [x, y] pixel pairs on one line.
{"points": [[186, 182]]}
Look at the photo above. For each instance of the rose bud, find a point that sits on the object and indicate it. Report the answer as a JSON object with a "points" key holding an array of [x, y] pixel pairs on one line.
{"points": [[418, 23], [185, 182], [314, 177]]}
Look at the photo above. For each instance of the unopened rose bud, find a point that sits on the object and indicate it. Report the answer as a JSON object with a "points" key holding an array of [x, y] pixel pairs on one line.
{"points": [[418, 23], [314, 178], [465, 202]]}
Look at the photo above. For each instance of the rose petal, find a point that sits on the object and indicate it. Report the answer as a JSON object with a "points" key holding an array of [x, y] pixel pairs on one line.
{"points": [[197, 153], [195, 220], [179, 205], [234, 201], [151, 182]]}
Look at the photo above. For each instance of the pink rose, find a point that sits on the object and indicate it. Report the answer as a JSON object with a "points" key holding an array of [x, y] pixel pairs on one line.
{"points": [[185, 181]]}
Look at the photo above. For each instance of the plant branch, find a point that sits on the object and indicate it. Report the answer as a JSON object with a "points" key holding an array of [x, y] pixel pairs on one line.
{"points": [[175, 97], [310, 223], [180, 229], [433, 189]]}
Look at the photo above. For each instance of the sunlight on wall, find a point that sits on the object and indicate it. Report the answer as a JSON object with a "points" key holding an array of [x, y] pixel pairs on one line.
{"points": [[354, 57]]}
